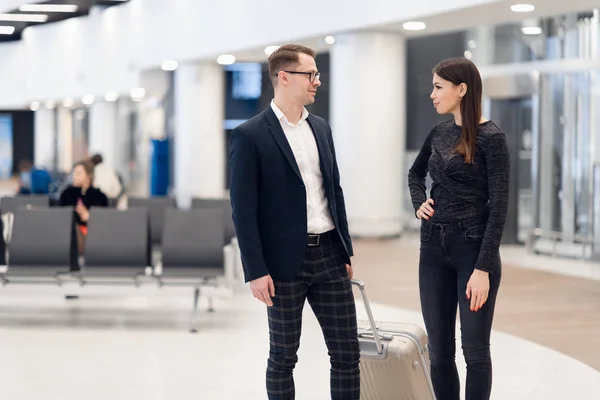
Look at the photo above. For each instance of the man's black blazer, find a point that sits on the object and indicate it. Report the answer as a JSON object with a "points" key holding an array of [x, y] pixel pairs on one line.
{"points": [[268, 196]]}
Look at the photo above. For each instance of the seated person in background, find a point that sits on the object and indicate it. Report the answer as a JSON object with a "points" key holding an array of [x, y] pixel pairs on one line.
{"points": [[33, 180], [82, 196]]}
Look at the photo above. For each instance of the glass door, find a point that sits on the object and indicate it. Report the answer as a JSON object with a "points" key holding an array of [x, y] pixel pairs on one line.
{"points": [[565, 150]]}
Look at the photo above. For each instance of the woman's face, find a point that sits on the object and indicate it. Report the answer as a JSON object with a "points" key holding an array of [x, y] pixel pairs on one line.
{"points": [[446, 96], [80, 177]]}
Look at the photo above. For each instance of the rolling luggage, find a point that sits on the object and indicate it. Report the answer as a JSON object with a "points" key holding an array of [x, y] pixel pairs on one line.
{"points": [[394, 362]]}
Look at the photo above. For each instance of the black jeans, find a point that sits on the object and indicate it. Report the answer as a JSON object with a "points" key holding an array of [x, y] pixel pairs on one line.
{"points": [[447, 260]]}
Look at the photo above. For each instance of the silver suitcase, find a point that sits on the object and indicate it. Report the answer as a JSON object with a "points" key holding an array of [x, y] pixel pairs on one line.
{"points": [[394, 362]]}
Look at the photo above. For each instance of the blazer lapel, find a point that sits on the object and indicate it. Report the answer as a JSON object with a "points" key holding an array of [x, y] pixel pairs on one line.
{"points": [[282, 142], [325, 158]]}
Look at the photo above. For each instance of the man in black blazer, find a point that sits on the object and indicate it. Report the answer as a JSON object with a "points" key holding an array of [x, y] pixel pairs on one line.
{"points": [[290, 221]]}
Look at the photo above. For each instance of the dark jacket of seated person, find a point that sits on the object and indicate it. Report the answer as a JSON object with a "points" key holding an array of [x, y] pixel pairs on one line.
{"points": [[81, 194], [92, 197]]}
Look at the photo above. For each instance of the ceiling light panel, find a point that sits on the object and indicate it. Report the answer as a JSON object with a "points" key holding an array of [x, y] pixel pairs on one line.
{"points": [[43, 8], [414, 26], [270, 50], [24, 17], [226, 59], [169, 65], [531, 30], [7, 30], [521, 8]]}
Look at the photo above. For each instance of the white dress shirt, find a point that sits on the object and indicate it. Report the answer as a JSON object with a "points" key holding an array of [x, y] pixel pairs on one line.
{"points": [[304, 146]]}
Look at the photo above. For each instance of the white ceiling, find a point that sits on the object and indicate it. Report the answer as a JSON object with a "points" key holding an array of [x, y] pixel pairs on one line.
{"points": [[495, 13], [7, 5]]}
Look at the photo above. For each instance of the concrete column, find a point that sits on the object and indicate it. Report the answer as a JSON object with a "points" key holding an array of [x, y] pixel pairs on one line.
{"points": [[65, 139], [200, 159], [369, 128], [103, 131], [44, 138]]}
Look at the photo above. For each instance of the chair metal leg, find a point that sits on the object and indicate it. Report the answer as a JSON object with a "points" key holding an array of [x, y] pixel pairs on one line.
{"points": [[210, 305], [193, 329]]}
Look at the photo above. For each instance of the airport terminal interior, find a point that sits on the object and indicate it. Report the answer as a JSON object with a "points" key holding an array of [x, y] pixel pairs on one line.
{"points": [[153, 304]]}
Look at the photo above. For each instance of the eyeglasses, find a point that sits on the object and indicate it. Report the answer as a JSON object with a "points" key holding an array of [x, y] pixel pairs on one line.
{"points": [[311, 75]]}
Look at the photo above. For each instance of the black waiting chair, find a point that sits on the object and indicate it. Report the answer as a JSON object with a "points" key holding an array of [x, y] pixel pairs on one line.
{"points": [[156, 211], [192, 250], [225, 206], [11, 204], [43, 244], [193, 242], [117, 246]]}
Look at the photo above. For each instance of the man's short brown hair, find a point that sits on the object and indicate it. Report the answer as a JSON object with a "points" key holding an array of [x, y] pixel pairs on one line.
{"points": [[286, 58]]}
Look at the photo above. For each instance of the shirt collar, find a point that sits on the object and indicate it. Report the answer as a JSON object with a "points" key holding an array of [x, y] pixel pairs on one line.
{"points": [[281, 116]]}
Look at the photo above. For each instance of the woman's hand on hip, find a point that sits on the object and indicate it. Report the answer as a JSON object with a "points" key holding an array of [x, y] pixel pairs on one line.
{"points": [[478, 289], [425, 211]]}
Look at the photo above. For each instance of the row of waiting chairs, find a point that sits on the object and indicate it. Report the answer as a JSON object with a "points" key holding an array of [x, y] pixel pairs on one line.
{"points": [[158, 205], [118, 247], [156, 209]]}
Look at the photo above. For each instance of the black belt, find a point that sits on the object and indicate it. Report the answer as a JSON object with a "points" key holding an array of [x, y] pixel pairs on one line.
{"points": [[317, 239]]}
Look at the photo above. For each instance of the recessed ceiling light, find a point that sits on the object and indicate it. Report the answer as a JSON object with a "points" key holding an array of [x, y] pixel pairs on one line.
{"points": [[531, 30], [329, 39], [88, 99], [34, 106], [522, 8], [270, 50], [468, 54], [169, 65], [111, 96], [226, 59], [68, 103], [7, 30], [24, 17], [137, 94], [48, 8], [414, 26]]}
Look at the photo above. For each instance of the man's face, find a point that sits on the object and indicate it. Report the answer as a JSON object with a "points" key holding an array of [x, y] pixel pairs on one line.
{"points": [[298, 83]]}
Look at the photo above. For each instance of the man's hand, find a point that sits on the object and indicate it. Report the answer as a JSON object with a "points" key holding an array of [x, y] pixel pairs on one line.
{"points": [[263, 289], [350, 271]]}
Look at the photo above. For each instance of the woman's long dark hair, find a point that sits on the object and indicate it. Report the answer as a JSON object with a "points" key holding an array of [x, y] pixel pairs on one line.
{"points": [[457, 71]]}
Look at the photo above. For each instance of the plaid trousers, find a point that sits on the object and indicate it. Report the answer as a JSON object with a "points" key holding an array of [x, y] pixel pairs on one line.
{"points": [[325, 283]]}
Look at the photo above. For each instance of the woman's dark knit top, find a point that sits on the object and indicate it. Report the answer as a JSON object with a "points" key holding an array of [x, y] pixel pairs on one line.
{"points": [[462, 190]]}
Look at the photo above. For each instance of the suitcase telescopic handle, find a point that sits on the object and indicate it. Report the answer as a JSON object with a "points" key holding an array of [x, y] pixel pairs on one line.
{"points": [[361, 286]]}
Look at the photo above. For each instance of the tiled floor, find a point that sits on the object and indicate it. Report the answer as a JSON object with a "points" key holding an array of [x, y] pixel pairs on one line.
{"points": [[127, 343]]}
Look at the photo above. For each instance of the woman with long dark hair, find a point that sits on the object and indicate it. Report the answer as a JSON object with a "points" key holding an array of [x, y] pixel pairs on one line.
{"points": [[462, 224]]}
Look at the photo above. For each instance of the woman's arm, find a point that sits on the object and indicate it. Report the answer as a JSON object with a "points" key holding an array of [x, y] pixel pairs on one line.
{"points": [[498, 175], [418, 173]]}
